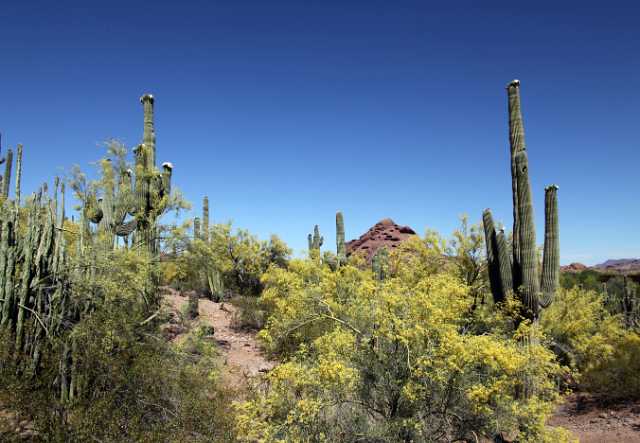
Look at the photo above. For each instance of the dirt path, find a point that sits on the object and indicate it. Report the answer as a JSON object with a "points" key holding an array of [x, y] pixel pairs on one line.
{"points": [[242, 356], [594, 423]]}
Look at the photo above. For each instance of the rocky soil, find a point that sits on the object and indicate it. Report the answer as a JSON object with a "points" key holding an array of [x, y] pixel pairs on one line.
{"points": [[15, 428], [593, 422], [242, 357]]}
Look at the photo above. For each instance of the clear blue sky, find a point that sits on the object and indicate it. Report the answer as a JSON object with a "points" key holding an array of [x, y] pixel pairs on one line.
{"points": [[284, 112]]}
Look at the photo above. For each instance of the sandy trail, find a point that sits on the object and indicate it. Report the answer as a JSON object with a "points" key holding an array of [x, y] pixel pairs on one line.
{"points": [[241, 354], [595, 423]]}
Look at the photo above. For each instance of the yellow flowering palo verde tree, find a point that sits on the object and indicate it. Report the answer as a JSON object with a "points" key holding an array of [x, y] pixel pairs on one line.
{"points": [[396, 359]]}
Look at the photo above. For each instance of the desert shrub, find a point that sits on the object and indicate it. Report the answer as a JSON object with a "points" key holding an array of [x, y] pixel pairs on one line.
{"points": [[249, 314], [242, 258], [611, 366], [229, 262], [587, 279], [586, 336], [392, 360], [129, 384], [622, 296]]}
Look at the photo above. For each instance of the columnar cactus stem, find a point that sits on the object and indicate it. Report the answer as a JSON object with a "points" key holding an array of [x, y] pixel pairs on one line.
{"points": [[6, 181], [504, 257], [196, 228], [30, 248], [18, 175], [316, 241], [205, 219], [551, 259], [8, 249], [530, 289], [167, 171], [380, 263], [517, 143], [493, 259], [340, 244], [149, 136]]}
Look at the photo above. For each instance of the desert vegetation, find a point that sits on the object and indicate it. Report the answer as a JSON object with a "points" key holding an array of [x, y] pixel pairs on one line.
{"points": [[476, 337]]}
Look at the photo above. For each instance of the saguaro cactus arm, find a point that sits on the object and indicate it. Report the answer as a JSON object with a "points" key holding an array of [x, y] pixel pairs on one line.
{"points": [[504, 257], [530, 288], [551, 259], [493, 264]]}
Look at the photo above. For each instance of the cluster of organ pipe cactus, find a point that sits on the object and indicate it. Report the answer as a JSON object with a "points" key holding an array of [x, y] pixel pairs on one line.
{"points": [[35, 302], [517, 271], [315, 241]]}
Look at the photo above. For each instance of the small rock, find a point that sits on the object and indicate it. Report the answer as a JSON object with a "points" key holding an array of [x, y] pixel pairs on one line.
{"points": [[29, 433]]}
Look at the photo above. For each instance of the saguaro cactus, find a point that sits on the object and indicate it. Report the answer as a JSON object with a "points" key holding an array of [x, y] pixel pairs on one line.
{"points": [[196, 227], [146, 202], [205, 219], [340, 244], [536, 290], [380, 263], [315, 241]]}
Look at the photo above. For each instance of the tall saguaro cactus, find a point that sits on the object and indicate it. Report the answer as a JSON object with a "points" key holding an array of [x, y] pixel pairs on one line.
{"points": [[519, 271], [205, 219], [340, 244], [315, 241], [145, 202]]}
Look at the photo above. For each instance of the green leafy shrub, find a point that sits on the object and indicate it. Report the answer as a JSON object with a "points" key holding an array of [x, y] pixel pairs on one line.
{"points": [[594, 343], [249, 314], [226, 263]]}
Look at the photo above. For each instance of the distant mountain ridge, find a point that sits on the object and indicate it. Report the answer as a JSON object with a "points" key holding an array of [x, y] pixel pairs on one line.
{"points": [[613, 266]]}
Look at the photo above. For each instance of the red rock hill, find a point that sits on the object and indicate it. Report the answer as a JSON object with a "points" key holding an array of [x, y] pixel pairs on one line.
{"points": [[573, 267], [384, 233]]}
